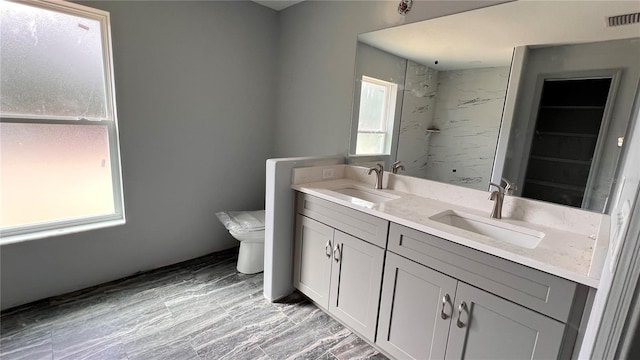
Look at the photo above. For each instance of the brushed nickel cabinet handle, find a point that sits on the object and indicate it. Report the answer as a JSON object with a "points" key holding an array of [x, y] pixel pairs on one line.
{"points": [[327, 249], [336, 253], [461, 308], [445, 300]]}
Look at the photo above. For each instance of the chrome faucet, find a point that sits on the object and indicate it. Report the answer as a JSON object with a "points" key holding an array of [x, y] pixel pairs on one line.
{"points": [[379, 170], [498, 197], [397, 166], [510, 186]]}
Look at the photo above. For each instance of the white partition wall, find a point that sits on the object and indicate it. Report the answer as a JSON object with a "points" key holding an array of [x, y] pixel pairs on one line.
{"points": [[279, 222]]}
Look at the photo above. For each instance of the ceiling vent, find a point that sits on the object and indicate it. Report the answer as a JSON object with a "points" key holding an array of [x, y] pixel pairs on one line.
{"points": [[625, 19]]}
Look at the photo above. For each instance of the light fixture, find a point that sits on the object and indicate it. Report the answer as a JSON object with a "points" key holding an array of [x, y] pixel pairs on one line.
{"points": [[405, 6]]}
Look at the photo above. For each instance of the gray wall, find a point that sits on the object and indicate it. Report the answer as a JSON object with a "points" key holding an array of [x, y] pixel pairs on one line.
{"points": [[196, 103], [316, 67]]}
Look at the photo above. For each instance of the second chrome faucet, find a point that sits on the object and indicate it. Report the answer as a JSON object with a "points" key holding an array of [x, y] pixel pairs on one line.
{"points": [[379, 170]]}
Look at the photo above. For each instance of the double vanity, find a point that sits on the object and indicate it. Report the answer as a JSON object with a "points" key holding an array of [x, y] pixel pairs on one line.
{"points": [[420, 270]]}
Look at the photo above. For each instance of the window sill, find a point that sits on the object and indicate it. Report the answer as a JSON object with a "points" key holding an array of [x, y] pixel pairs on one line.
{"points": [[13, 239]]}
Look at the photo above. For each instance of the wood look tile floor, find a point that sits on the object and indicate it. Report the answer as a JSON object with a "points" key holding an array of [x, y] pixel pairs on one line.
{"points": [[199, 309]]}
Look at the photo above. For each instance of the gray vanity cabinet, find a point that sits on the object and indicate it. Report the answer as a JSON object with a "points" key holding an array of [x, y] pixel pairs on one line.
{"points": [[435, 299], [425, 314], [485, 326], [312, 260], [414, 299], [338, 271], [356, 274]]}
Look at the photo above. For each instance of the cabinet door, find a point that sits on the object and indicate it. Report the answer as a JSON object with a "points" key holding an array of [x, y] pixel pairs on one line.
{"points": [[489, 327], [356, 277], [312, 259], [415, 310]]}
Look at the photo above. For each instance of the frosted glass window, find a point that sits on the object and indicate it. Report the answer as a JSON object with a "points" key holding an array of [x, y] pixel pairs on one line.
{"points": [[59, 152], [376, 115], [51, 64], [368, 143], [373, 107], [54, 172]]}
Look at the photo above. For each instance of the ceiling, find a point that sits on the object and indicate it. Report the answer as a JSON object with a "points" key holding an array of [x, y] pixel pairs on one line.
{"points": [[478, 38], [277, 4]]}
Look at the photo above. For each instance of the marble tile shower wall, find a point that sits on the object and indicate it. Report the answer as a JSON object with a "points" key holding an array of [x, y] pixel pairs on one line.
{"points": [[417, 115], [468, 113], [200, 309], [466, 106]]}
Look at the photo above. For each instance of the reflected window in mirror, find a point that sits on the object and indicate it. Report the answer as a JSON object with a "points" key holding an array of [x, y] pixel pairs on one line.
{"points": [[375, 120]]}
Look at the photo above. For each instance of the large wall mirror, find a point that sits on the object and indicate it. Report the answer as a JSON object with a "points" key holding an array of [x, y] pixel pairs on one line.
{"points": [[538, 93]]}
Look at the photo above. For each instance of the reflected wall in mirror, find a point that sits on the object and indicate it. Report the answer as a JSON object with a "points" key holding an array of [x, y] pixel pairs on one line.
{"points": [[476, 106], [450, 123]]}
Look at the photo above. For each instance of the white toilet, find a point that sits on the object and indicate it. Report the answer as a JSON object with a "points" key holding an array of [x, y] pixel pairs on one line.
{"points": [[248, 228], [251, 255]]}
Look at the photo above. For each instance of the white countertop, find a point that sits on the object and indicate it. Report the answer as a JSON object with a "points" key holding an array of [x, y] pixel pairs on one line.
{"points": [[570, 255]]}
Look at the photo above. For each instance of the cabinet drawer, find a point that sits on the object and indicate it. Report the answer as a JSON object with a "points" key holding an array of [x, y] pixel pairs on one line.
{"points": [[353, 222], [537, 290]]}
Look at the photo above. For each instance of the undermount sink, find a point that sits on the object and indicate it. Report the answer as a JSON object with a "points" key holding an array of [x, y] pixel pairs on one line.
{"points": [[363, 197], [497, 230]]}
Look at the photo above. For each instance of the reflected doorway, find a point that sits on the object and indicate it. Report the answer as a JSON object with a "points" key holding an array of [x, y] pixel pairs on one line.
{"points": [[567, 139]]}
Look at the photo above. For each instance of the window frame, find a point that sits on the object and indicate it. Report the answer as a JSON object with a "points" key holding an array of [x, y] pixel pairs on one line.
{"points": [[19, 233], [388, 110]]}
